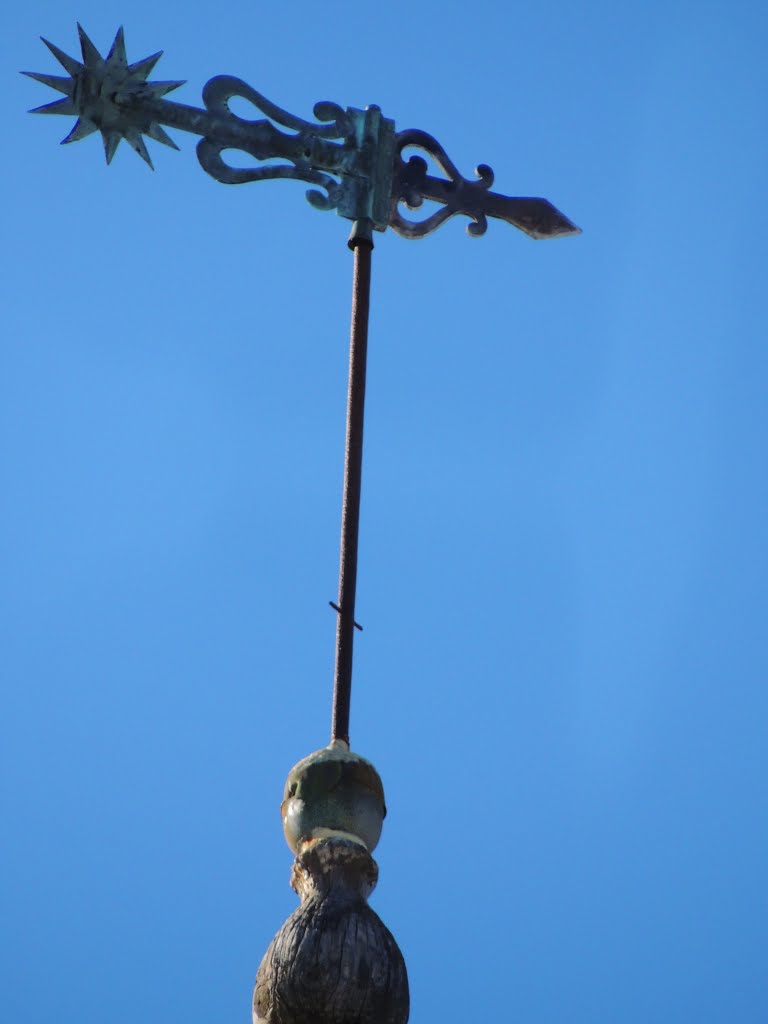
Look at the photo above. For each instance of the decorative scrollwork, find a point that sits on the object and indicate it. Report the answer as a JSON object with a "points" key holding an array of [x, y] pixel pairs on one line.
{"points": [[218, 91], [413, 185], [474, 199], [261, 140]]}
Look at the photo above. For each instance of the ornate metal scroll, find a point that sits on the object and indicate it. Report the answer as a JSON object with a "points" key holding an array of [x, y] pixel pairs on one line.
{"points": [[298, 148], [412, 185], [354, 156]]}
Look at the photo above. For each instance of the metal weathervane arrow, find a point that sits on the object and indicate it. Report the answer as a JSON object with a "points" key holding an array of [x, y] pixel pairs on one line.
{"points": [[353, 158]]}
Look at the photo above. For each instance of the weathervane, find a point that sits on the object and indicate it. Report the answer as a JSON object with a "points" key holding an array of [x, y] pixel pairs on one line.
{"points": [[333, 961], [354, 155]]}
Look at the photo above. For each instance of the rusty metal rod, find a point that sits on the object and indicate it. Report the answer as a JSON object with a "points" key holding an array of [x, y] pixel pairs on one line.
{"points": [[361, 243]]}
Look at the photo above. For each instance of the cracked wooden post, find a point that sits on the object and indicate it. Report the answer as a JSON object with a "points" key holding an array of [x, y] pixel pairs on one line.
{"points": [[333, 961]]}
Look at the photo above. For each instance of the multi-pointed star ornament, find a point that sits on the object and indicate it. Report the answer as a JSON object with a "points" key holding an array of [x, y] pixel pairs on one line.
{"points": [[92, 90]]}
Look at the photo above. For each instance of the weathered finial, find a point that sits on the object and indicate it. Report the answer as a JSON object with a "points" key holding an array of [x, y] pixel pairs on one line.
{"points": [[333, 961]]}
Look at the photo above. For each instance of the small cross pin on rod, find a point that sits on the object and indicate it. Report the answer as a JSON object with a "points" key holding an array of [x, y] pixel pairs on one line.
{"points": [[357, 165]]}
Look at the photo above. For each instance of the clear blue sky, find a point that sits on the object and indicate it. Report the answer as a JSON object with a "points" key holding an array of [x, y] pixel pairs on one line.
{"points": [[563, 678]]}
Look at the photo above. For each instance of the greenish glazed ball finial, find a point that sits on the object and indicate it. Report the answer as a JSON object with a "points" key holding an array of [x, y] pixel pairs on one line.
{"points": [[333, 792]]}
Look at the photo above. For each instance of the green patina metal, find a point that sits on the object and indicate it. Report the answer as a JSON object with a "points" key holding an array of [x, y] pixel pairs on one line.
{"points": [[353, 157]]}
